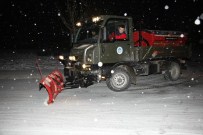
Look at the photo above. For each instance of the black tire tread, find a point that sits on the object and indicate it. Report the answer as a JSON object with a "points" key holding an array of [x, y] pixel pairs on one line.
{"points": [[110, 86], [168, 75]]}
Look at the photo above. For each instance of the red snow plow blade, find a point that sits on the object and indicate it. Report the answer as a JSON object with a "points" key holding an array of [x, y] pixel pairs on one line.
{"points": [[53, 83]]}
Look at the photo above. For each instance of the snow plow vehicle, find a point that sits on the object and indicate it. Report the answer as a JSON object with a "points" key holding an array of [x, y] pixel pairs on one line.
{"points": [[99, 55]]}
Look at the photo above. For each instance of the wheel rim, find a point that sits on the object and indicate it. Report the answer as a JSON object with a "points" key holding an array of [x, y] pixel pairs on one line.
{"points": [[119, 80]]}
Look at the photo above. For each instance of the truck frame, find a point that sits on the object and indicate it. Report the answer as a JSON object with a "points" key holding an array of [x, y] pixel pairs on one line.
{"points": [[94, 57]]}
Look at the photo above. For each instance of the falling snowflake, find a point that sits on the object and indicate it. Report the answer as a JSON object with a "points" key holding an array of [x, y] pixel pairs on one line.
{"points": [[182, 35], [166, 7], [125, 14], [35, 24], [59, 14], [192, 79], [197, 21], [43, 50]]}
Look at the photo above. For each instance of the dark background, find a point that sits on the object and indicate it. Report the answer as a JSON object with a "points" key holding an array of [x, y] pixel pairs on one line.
{"points": [[35, 24]]}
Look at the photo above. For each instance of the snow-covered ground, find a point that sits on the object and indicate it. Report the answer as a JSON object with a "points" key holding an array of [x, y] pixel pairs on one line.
{"points": [[152, 107]]}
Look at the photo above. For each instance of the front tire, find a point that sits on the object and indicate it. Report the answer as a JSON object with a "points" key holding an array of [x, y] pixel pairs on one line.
{"points": [[119, 80], [173, 72]]}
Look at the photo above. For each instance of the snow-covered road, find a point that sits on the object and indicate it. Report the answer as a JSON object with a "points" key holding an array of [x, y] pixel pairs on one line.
{"points": [[154, 106]]}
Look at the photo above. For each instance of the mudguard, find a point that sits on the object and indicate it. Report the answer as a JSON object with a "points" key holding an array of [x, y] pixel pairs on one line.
{"points": [[53, 83]]}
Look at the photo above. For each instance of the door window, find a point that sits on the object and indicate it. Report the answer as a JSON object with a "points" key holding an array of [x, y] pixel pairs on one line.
{"points": [[116, 30]]}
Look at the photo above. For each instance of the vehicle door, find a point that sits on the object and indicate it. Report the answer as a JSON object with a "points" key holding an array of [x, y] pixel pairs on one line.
{"points": [[115, 50]]}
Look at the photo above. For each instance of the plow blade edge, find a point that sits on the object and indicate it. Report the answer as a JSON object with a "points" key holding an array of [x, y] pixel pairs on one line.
{"points": [[53, 83]]}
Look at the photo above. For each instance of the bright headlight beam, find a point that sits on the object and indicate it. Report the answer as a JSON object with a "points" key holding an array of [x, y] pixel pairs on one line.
{"points": [[61, 57], [96, 19], [72, 58]]}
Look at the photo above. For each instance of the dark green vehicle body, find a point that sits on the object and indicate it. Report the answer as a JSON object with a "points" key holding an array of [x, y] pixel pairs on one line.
{"points": [[100, 59]]}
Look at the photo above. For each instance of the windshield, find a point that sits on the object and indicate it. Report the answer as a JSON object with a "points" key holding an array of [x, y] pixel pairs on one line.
{"points": [[88, 33]]}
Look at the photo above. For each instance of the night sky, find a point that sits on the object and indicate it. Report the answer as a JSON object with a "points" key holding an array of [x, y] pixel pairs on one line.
{"points": [[36, 23]]}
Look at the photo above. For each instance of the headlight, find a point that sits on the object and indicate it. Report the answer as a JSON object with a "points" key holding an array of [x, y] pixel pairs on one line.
{"points": [[61, 57], [84, 66], [79, 24], [72, 58], [96, 19]]}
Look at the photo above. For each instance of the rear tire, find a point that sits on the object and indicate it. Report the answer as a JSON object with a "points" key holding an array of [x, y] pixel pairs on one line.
{"points": [[173, 72], [119, 80]]}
